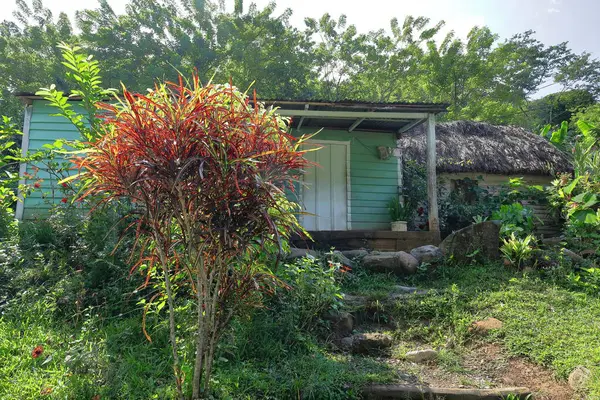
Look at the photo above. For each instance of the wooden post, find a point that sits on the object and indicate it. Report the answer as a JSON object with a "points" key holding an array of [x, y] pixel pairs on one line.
{"points": [[434, 223]]}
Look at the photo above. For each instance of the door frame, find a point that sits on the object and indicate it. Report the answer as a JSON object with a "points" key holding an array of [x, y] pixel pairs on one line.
{"points": [[348, 180]]}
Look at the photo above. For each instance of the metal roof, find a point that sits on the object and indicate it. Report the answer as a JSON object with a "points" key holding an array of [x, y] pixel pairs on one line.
{"points": [[349, 115]]}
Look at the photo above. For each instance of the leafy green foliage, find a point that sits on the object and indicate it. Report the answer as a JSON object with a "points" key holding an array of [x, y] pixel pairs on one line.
{"points": [[84, 73], [313, 289], [399, 211], [516, 250], [516, 219]]}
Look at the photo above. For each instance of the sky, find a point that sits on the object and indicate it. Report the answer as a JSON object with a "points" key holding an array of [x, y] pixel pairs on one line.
{"points": [[554, 21]]}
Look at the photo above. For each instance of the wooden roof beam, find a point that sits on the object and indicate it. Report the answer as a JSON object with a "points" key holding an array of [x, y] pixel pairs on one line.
{"points": [[302, 118], [355, 124]]}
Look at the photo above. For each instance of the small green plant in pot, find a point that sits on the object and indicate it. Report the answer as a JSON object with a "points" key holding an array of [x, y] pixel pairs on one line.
{"points": [[399, 214]]}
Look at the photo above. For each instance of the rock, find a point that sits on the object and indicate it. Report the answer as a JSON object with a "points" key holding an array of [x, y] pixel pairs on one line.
{"points": [[579, 378], [486, 325], [338, 256], [355, 253], [405, 289], [576, 258], [589, 252], [370, 343], [428, 253], [346, 343], [409, 262], [353, 301], [484, 236], [399, 263], [342, 323], [300, 253], [421, 355], [553, 241]]}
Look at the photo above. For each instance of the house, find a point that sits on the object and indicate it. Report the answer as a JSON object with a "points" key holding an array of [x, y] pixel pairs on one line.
{"points": [[349, 192], [477, 153]]}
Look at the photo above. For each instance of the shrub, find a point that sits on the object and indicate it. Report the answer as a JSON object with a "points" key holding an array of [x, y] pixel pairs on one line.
{"points": [[207, 171]]}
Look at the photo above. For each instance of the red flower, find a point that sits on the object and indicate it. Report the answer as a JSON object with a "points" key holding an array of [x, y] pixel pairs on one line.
{"points": [[64, 184], [345, 268], [420, 210], [37, 185], [37, 351], [64, 199]]}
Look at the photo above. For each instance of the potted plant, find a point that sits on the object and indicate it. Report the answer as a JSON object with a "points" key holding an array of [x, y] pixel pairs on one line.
{"points": [[399, 214]]}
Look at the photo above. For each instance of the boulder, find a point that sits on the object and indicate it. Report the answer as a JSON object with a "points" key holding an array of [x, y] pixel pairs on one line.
{"points": [[370, 343], [578, 379], [399, 263], [418, 356], [428, 253], [300, 253], [355, 253], [342, 323], [484, 236]]}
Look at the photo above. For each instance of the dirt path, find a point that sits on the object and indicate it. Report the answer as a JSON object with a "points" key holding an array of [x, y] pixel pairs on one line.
{"points": [[485, 365]]}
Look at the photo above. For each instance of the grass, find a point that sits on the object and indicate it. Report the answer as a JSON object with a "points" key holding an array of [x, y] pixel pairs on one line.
{"points": [[546, 319], [261, 357]]}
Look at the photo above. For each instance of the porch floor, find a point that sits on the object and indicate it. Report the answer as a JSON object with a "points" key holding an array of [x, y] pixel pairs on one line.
{"points": [[372, 240]]}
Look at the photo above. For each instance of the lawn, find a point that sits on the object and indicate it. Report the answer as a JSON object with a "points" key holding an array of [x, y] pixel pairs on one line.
{"points": [[546, 320]]}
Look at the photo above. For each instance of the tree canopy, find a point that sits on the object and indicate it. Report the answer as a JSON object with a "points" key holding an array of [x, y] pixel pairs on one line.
{"points": [[482, 76]]}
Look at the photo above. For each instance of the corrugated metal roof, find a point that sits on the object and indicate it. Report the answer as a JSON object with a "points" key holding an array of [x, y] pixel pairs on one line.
{"points": [[347, 108]]}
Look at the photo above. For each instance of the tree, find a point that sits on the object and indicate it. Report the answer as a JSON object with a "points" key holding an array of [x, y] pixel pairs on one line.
{"points": [[207, 169], [557, 107]]}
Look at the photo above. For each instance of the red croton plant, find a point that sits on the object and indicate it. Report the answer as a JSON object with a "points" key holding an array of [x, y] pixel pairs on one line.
{"points": [[206, 169]]}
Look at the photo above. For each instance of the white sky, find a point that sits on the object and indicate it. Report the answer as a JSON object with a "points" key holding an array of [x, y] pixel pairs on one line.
{"points": [[554, 21]]}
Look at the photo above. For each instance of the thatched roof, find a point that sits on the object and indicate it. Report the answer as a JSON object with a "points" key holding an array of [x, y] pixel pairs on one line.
{"points": [[469, 146]]}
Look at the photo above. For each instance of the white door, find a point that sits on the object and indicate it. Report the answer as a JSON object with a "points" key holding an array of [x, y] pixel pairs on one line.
{"points": [[325, 192]]}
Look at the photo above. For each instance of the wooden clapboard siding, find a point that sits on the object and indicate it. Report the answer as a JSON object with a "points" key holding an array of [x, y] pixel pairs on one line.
{"points": [[373, 181], [45, 129]]}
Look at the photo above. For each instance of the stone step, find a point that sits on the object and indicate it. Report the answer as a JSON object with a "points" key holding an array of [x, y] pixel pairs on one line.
{"points": [[392, 391]]}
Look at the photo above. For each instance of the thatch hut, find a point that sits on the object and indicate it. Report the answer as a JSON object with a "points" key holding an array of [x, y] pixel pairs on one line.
{"points": [[489, 154]]}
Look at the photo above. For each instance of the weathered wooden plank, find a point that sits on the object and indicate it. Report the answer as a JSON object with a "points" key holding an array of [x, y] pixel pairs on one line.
{"points": [[434, 223], [388, 392], [375, 240]]}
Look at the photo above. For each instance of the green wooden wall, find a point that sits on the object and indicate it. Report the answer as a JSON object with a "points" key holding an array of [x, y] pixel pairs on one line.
{"points": [[373, 181], [45, 129]]}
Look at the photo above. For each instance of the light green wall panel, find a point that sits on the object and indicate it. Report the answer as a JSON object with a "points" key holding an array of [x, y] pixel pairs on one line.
{"points": [[45, 129], [373, 181]]}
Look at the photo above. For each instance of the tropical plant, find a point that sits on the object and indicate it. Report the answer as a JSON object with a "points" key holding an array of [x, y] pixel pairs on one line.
{"points": [[207, 170], [399, 211], [578, 196], [515, 218], [84, 73], [517, 250]]}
